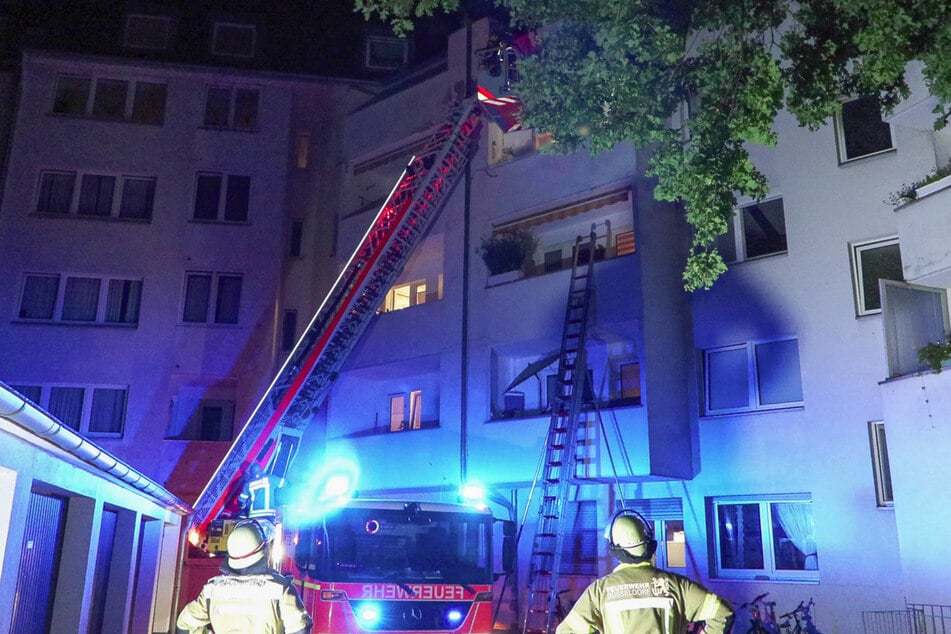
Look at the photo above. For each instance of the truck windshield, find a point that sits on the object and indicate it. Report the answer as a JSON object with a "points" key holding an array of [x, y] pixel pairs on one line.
{"points": [[373, 545]]}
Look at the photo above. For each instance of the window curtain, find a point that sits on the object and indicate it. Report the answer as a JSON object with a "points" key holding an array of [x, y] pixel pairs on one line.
{"points": [[66, 404], [81, 302], [39, 297], [108, 408], [796, 519], [122, 305]]}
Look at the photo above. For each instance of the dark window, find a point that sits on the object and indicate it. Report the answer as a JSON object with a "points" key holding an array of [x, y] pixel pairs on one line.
{"points": [[56, 193], [217, 107], [197, 296], [207, 196], [246, 109], [149, 103], [764, 228], [228, 300], [109, 102], [95, 195], [138, 194], [296, 240], [862, 130], [289, 330], [149, 32], [233, 40], [236, 198], [39, 296], [122, 304], [72, 94], [108, 411], [81, 300]]}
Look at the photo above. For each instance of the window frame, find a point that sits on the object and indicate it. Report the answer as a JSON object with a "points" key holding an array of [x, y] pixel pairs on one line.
{"points": [[226, 189], [737, 239], [754, 398], [386, 41], [769, 571], [153, 19], [88, 400], [856, 251], [213, 298], [79, 178], [130, 99], [104, 295], [418, 294], [840, 135], [232, 116], [410, 408], [881, 470], [219, 25]]}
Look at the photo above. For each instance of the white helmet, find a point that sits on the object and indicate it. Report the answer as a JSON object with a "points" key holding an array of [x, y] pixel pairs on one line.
{"points": [[247, 544]]}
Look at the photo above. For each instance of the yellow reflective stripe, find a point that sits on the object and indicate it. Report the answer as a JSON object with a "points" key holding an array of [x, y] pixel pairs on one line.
{"points": [[710, 608]]}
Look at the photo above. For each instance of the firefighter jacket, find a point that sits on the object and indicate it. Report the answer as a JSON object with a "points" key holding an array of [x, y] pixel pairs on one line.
{"points": [[641, 599], [256, 599]]}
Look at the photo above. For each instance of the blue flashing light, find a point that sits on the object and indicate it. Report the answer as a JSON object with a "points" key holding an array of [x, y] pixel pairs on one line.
{"points": [[472, 492], [368, 614], [454, 616]]}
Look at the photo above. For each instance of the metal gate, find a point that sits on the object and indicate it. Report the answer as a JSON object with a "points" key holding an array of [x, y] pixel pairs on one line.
{"points": [[916, 618]]}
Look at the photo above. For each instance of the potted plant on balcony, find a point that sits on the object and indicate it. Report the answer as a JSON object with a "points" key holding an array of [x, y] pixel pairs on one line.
{"points": [[920, 187], [507, 251], [935, 355]]}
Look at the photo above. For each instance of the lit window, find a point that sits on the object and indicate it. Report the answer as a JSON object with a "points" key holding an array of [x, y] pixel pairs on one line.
{"points": [[90, 410], [405, 295], [752, 376], [755, 231], [860, 129], [768, 538], [235, 108], [222, 197], [406, 411], [99, 195], [629, 375], [212, 298], [80, 299], [873, 261], [884, 495]]}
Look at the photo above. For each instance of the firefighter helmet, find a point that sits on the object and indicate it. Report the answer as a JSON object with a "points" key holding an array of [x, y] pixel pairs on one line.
{"points": [[247, 544], [631, 537]]}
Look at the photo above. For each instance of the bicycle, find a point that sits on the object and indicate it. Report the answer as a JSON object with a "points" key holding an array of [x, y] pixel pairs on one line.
{"points": [[763, 619], [801, 620]]}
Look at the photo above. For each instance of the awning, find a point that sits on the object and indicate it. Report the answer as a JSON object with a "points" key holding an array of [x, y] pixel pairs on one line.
{"points": [[565, 211]]}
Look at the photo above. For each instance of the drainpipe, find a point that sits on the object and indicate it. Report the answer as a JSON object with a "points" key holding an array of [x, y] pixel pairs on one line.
{"points": [[19, 411]]}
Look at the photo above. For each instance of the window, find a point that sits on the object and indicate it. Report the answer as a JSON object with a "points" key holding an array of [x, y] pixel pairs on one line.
{"points": [[203, 412], [405, 295], [385, 53], [146, 32], [296, 240], [880, 469], [113, 99], [90, 410], [755, 231], [860, 130], [235, 108], [406, 411], [629, 376], [213, 204], [98, 195], [80, 299], [302, 150], [233, 40], [757, 375], [552, 390], [579, 552], [212, 298], [913, 316], [666, 518], [873, 261], [288, 330], [766, 538]]}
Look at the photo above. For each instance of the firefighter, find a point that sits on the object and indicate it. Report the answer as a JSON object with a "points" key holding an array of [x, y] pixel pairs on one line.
{"points": [[248, 596], [637, 598]]}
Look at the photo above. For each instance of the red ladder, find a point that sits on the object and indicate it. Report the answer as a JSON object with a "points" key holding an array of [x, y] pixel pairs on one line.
{"points": [[304, 380]]}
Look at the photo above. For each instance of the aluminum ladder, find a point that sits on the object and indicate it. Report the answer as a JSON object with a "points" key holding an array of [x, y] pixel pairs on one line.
{"points": [[562, 444]]}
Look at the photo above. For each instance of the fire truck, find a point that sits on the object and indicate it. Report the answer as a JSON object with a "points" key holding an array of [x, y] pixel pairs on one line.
{"points": [[360, 565]]}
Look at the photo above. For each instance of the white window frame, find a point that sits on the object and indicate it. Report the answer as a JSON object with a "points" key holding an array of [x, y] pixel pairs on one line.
{"points": [[736, 233], [881, 471], [232, 123], [371, 40], [417, 294], [118, 190], [234, 25], [663, 546], [163, 23], [769, 572], [856, 252], [214, 290], [88, 396], [840, 140], [224, 186], [128, 108], [912, 317], [409, 405], [102, 303], [754, 402]]}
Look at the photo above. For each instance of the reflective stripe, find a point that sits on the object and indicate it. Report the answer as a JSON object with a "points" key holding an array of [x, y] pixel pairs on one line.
{"points": [[614, 611], [709, 609]]}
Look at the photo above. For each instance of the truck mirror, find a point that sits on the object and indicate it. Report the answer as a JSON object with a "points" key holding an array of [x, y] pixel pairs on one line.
{"points": [[508, 528]]}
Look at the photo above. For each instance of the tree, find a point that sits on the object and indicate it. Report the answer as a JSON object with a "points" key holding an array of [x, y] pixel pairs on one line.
{"points": [[622, 70]]}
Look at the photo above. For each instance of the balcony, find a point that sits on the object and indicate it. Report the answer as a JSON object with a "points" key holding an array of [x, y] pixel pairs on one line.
{"points": [[923, 226]]}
